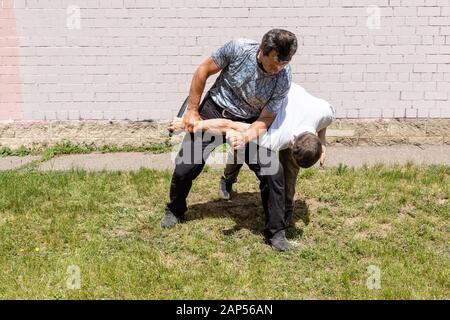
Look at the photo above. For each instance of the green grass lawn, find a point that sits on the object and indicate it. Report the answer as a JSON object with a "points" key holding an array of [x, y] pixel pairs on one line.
{"points": [[107, 224]]}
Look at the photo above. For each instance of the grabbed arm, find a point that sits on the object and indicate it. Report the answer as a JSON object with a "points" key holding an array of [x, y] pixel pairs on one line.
{"points": [[216, 126]]}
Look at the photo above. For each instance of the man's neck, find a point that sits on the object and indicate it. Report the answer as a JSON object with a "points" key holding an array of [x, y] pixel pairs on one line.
{"points": [[258, 55]]}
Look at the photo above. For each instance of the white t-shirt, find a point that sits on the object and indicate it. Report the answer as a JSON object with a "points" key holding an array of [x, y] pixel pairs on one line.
{"points": [[301, 112]]}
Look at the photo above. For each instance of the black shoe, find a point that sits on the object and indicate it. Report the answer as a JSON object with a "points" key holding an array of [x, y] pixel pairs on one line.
{"points": [[225, 189], [279, 241], [170, 220]]}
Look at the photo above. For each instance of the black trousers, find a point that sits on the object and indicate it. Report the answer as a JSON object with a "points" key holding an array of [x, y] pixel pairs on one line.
{"points": [[197, 147]]}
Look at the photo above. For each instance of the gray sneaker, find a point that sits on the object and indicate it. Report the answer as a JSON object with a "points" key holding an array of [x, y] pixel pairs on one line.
{"points": [[225, 189], [169, 220], [279, 241]]}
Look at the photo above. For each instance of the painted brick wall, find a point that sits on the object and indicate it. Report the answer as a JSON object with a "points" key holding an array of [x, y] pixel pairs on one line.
{"points": [[134, 59]]}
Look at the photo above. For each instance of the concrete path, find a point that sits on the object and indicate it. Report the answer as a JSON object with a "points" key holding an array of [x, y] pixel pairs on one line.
{"points": [[8, 163], [401, 154], [350, 156]]}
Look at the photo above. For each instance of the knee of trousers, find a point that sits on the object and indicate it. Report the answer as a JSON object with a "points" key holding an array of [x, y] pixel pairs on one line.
{"points": [[186, 172]]}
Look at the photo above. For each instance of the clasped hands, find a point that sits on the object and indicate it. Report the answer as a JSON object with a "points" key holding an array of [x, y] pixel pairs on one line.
{"points": [[236, 138]]}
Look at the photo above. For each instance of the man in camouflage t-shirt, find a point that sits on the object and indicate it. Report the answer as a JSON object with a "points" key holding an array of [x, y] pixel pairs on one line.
{"points": [[255, 79]]}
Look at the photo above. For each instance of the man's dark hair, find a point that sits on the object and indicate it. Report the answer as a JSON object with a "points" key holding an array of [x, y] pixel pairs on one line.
{"points": [[282, 41], [307, 150]]}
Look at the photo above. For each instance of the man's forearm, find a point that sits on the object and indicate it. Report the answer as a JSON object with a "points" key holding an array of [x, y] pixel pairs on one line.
{"points": [[322, 136], [255, 130], [259, 127], [197, 88], [221, 126]]}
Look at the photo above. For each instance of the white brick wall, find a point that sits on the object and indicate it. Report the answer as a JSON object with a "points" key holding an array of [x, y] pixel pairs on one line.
{"points": [[134, 59]]}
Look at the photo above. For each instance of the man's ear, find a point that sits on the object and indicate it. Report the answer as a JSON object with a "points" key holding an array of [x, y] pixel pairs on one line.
{"points": [[291, 143]]}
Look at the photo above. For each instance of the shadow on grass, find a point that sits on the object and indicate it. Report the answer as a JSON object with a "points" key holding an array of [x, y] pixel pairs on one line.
{"points": [[247, 212]]}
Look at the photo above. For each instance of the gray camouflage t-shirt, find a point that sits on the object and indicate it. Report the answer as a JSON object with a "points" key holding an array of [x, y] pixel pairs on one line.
{"points": [[243, 88]]}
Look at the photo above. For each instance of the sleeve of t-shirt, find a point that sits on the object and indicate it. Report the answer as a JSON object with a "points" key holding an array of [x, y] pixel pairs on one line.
{"points": [[327, 119], [324, 123], [281, 91], [226, 54]]}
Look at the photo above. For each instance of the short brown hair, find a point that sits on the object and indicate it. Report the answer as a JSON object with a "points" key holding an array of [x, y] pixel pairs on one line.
{"points": [[307, 149], [282, 41]]}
